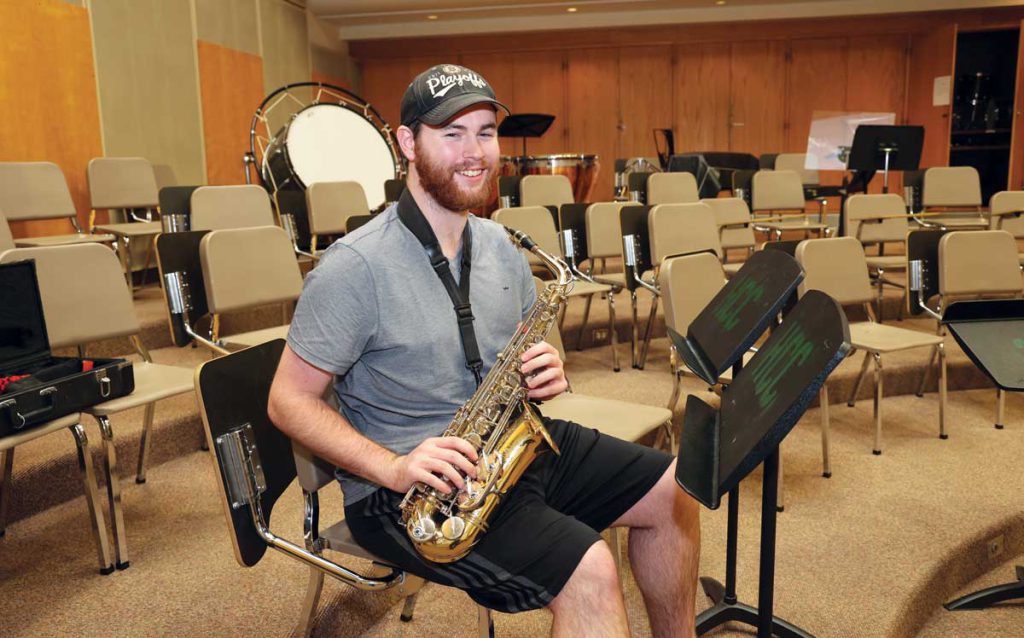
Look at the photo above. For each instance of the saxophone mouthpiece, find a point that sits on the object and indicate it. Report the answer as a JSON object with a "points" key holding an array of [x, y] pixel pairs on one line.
{"points": [[521, 238]]}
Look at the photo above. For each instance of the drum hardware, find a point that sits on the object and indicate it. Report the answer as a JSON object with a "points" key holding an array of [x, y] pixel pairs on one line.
{"points": [[179, 303], [332, 135]]}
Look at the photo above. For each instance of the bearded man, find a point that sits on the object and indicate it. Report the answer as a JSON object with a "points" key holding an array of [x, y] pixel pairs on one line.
{"points": [[377, 322]]}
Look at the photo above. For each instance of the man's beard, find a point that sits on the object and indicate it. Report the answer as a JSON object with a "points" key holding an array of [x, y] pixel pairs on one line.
{"points": [[439, 181]]}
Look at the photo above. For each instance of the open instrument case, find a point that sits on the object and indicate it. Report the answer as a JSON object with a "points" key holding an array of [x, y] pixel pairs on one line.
{"points": [[35, 386]]}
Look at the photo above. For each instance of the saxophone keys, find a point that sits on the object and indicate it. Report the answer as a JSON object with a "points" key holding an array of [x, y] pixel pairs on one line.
{"points": [[453, 527], [422, 529], [474, 439]]}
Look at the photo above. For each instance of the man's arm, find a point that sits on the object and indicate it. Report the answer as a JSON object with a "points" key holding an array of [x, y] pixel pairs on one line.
{"points": [[297, 408]]}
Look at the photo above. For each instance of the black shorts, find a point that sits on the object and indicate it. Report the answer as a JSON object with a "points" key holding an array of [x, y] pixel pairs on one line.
{"points": [[539, 534]]}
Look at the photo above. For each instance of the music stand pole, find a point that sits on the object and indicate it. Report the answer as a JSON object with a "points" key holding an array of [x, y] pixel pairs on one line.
{"points": [[885, 170]]}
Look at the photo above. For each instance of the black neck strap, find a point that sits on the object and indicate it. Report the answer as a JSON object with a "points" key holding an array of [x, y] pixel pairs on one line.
{"points": [[410, 215]]}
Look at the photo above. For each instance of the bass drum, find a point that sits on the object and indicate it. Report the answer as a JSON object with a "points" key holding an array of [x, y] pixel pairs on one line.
{"points": [[580, 169], [330, 143]]}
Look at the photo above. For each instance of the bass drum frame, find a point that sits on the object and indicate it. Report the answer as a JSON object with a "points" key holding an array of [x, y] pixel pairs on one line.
{"points": [[263, 138]]}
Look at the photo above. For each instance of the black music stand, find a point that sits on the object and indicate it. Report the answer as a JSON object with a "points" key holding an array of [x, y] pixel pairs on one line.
{"points": [[886, 148], [991, 332], [763, 404], [525, 125]]}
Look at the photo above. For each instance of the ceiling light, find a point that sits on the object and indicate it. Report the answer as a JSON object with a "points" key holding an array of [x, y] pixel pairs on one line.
{"points": [[719, 2], [572, 9], [431, 17]]}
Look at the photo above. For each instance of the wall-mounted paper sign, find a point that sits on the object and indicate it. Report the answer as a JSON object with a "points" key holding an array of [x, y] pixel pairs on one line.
{"points": [[940, 90], [828, 145]]}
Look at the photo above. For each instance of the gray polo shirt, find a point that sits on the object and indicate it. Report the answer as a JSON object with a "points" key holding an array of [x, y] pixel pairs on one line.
{"points": [[374, 313]]}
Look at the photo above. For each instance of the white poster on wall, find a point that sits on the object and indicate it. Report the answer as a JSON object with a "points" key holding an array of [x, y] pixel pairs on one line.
{"points": [[941, 90], [828, 145]]}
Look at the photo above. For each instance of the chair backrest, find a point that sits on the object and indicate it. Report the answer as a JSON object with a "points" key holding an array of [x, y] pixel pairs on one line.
{"points": [[688, 283], [535, 221], [837, 267], [34, 190], [951, 186], [1008, 202], [85, 297], [777, 190], [122, 182], [555, 335], [246, 267], [682, 228], [796, 162], [545, 190], [979, 262], [603, 239], [330, 205], [732, 210], [164, 175], [6, 239], [672, 188], [860, 207], [222, 207]]}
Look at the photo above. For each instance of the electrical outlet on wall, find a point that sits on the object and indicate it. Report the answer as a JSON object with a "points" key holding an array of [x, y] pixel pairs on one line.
{"points": [[996, 546]]}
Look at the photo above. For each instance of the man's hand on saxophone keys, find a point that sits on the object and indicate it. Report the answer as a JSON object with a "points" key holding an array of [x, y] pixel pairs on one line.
{"points": [[449, 457], [543, 371]]}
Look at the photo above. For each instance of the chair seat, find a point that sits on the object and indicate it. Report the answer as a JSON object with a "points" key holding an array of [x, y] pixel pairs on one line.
{"points": [[732, 269], [962, 223], [136, 229], [63, 240], [13, 440], [339, 538], [621, 419], [255, 338], [881, 338], [581, 287], [887, 262], [153, 382]]}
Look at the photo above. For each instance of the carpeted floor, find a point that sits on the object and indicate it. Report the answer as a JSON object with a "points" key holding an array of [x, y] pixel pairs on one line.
{"points": [[873, 551]]}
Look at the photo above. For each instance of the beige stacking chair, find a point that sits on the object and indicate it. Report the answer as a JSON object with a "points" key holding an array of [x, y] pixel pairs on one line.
{"points": [[782, 192], [545, 190], [35, 191], [676, 229], [244, 268], [85, 300], [672, 188], [123, 185], [221, 207], [330, 204], [249, 373], [604, 239], [837, 267], [796, 162], [537, 222], [979, 264], [734, 224], [92, 498], [1006, 210], [879, 220], [955, 191]]}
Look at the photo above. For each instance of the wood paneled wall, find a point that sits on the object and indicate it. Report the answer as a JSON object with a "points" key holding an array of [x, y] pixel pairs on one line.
{"points": [[48, 93], [753, 96], [230, 83]]}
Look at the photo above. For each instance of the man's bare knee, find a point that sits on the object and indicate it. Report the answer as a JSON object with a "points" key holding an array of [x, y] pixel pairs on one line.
{"points": [[593, 583]]}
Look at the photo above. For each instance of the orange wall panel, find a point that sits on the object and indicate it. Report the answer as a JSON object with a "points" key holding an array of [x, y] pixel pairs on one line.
{"points": [[48, 89], [231, 87], [331, 79]]}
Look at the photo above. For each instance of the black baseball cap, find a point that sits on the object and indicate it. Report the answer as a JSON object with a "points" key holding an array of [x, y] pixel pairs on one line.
{"points": [[442, 92]]}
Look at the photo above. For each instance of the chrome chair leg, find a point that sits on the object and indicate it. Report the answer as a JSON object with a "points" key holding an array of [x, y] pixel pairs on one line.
{"points": [[6, 474], [852, 401], [826, 465], [677, 383], [583, 325], [878, 403], [484, 622], [412, 586], [649, 331], [927, 376], [92, 498], [114, 493], [314, 586], [1000, 414], [146, 442], [636, 331], [612, 332]]}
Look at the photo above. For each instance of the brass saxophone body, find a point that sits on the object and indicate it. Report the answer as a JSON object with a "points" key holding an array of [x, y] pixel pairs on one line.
{"points": [[505, 429]]}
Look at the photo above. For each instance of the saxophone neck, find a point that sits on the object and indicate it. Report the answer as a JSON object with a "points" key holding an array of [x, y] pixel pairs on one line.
{"points": [[556, 265]]}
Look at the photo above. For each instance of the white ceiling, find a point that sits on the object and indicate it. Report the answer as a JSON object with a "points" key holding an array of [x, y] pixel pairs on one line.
{"points": [[364, 19]]}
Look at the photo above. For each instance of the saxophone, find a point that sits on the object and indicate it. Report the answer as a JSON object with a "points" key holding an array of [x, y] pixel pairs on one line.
{"points": [[500, 424]]}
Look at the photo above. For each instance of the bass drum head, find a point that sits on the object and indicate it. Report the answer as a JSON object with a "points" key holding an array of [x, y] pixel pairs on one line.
{"points": [[330, 143]]}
